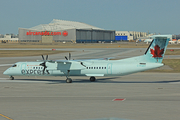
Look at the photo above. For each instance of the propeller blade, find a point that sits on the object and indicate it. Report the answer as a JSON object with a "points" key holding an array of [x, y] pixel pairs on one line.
{"points": [[44, 65], [44, 70], [42, 57], [47, 71], [69, 56], [46, 57], [66, 57]]}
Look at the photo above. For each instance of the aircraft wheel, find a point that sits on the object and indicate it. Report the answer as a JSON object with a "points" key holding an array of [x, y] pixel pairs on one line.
{"points": [[11, 78], [92, 79], [68, 80]]}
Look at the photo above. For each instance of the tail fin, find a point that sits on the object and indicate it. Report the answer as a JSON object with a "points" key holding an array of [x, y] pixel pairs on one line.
{"points": [[156, 50]]}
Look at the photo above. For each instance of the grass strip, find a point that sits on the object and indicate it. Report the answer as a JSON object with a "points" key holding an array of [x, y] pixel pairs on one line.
{"points": [[21, 53]]}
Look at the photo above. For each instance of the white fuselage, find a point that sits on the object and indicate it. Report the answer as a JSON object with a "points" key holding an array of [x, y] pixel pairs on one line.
{"points": [[91, 68]]}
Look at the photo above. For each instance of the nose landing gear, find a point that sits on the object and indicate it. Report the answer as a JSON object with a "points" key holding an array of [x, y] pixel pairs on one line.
{"points": [[11, 78]]}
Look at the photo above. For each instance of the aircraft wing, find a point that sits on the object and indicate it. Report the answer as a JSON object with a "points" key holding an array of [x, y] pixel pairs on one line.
{"points": [[64, 65], [70, 65], [106, 58], [90, 59]]}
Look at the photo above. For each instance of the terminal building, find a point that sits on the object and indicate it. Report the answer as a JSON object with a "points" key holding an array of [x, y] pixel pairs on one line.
{"points": [[65, 31], [9, 38], [129, 35]]}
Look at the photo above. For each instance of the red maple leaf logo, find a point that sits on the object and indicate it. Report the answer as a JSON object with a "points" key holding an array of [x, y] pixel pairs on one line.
{"points": [[157, 53], [65, 33]]}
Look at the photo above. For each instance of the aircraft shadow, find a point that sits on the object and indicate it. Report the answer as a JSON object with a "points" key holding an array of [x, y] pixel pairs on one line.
{"points": [[169, 81], [110, 80], [101, 80], [51, 81]]}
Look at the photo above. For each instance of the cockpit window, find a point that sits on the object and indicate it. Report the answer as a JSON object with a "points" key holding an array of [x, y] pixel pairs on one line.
{"points": [[14, 65]]}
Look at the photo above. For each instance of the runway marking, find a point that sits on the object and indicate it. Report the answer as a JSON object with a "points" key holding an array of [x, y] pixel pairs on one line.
{"points": [[5, 117], [119, 99]]}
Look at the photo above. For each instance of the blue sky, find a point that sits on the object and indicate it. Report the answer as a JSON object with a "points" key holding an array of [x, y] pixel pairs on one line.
{"points": [[155, 16]]}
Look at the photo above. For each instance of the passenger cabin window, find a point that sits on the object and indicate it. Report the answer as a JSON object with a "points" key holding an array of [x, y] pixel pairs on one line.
{"points": [[95, 67], [14, 65]]}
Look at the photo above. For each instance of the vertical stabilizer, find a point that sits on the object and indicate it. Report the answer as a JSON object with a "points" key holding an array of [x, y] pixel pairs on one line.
{"points": [[156, 50]]}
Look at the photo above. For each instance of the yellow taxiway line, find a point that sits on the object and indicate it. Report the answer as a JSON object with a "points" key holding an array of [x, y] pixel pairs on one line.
{"points": [[6, 117]]}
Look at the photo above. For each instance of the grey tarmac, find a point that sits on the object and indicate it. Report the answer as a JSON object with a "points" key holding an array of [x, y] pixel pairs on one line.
{"points": [[146, 95]]}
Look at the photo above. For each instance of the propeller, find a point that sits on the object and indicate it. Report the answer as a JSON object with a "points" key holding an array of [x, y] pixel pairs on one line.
{"points": [[66, 58], [44, 63], [46, 57], [69, 57], [42, 57]]}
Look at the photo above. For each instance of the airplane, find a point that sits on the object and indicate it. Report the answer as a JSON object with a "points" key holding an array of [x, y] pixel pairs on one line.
{"points": [[93, 67], [148, 40]]}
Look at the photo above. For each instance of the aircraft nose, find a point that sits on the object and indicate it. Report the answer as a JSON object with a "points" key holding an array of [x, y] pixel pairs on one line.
{"points": [[5, 72]]}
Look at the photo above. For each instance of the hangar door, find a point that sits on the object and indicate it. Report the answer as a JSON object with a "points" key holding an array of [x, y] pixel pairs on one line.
{"points": [[47, 39]]}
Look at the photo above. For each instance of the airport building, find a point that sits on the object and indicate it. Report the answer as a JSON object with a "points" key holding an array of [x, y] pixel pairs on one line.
{"points": [[129, 35], [65, 31], [9, 38]]}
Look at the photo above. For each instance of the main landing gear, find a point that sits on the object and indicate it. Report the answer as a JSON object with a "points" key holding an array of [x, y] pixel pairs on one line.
{"points": [[68, 80], [92, 79]]}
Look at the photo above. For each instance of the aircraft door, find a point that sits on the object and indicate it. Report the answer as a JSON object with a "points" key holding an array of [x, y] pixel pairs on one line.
{"points": [[109, 68]]}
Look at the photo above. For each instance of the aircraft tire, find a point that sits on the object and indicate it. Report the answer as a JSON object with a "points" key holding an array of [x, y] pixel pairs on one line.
{"points": [[92, 79], [68, 80], [11, 78]]}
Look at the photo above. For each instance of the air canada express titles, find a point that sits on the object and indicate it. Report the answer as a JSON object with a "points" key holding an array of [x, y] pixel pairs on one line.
{"points": [[32, 72]]}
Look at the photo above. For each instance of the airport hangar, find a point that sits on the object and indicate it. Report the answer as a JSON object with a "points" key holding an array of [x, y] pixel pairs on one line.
{"points": [[65, 31]]}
